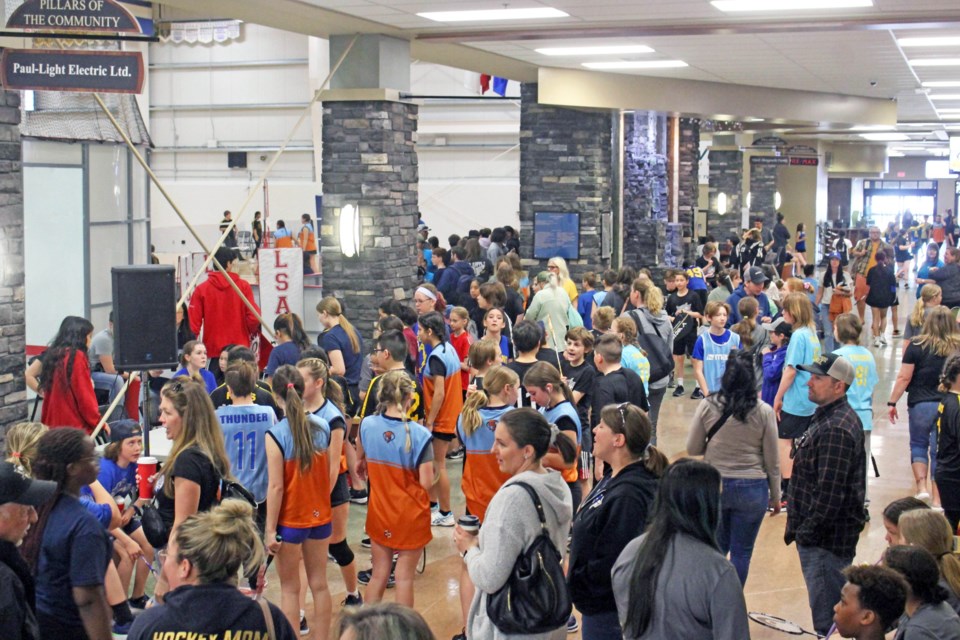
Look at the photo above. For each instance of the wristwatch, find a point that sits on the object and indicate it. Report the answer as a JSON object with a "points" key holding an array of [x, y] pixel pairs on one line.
{"points": [[891, 404]]}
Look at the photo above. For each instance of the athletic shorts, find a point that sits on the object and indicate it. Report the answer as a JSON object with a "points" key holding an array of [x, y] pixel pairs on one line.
{"points": [[341, 491], [292, 535], [792, 427], [445, 437], [684, 347]]}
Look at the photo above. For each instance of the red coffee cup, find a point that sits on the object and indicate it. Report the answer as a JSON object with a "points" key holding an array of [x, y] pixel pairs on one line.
{"points": [[146, 469]]}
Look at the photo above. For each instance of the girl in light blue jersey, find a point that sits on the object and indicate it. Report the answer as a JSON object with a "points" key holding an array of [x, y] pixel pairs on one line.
{"points": [[713, 347]]}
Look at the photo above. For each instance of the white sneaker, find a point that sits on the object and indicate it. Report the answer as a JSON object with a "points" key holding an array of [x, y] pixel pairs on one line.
{"points": [[434, 510], [440, 520], [883, 340], [876, 342]]}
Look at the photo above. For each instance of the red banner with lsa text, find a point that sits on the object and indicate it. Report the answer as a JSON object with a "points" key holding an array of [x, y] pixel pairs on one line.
{"points": [[281, 282]]}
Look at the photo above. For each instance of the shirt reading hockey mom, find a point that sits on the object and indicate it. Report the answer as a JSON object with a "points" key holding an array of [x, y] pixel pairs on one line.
{"points": [[83, 71]]}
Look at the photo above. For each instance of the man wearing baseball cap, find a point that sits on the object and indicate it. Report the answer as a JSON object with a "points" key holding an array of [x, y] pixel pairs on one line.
{"points": [[753, 280], [20, 496], [827, 489]]}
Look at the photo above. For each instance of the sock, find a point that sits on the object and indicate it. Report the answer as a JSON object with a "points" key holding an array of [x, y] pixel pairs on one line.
{"points": [[434, 504], [122, 613], [679, 382], [355, 594], [444, 513]]}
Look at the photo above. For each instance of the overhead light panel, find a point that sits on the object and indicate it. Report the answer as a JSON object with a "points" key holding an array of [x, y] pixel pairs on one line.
{"points": [[595, 51], [941, 84], [935, 62], [885, 137], [945, 96], [951, 41], [530, 13], [636, 64], [787, 5]]}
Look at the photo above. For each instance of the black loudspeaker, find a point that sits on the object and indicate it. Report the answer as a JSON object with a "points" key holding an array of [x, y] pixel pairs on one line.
{"points": [[237, 159], [144, 317]]}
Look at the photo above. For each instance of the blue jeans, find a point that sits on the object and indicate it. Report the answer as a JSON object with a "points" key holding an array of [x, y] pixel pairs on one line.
{"points": [[601, 626], [743, 503], [822, 574], [923, 433], [827, 326]]}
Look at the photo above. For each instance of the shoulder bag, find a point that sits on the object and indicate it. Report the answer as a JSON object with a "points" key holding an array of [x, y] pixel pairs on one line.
{"points": [[535, 598], [654, 346], [718, 425]]}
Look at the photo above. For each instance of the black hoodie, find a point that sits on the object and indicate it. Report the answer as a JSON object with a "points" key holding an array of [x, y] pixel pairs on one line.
{"points": [[209, 612], [614, 513]]}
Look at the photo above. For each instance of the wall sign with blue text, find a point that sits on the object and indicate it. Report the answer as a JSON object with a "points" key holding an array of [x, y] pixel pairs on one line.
{"points": [[556, 234]]}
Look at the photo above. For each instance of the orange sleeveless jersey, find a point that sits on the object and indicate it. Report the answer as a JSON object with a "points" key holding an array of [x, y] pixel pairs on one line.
{"points": [[482, 477], [446, 421], [306, 493]]}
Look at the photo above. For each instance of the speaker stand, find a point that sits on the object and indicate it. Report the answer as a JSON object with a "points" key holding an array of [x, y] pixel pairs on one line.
{"points": [[146, 411]]}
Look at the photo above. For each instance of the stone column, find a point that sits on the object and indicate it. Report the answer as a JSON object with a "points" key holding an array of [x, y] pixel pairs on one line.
{"points": [[726, 177], [763, 188], [13, 398], [688, 198], [645, 202], [370, 161], [565, 167]]}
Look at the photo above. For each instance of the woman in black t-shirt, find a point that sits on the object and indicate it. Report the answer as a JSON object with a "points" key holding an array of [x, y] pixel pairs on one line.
{"points": [[948, 441], [919, 376]]}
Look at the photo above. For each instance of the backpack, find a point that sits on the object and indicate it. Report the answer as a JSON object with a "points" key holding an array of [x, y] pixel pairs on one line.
{"points": [[655, 346]]}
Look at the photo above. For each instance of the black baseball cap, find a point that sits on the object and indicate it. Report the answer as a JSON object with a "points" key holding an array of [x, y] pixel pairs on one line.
{"points": [[780, 326], [18, 488], [123, 429], [756, 275]]}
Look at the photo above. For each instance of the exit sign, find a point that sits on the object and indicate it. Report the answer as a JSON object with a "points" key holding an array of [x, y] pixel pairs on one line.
{"points": [[901, 174]]}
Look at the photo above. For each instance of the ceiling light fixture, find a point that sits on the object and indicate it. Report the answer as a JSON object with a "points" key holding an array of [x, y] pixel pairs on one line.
{"points": [[885, 137], [531, 13], [636, 64], [788, 5], [595, 51], [945, 96], [935, 62], [941, 84], [950, 41]]}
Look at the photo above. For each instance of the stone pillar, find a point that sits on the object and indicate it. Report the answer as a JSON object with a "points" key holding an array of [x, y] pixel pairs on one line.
{"points": [[688, 197], [763, 188], [565, 167], [13, 398], [370, 161], [645, 202], [726, 177]]}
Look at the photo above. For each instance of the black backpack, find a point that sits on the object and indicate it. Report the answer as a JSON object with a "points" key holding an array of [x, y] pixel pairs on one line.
{"points": [[655, 346]]}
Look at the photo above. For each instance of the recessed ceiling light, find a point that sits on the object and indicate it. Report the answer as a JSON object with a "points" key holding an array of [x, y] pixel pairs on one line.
{"points": [[787, 5], [530, 13], [885, 137], [952, 41], [935, 62], [894, 154], [873, 127], [636, 64], [941, 84], [948, 110], [595, 51]]}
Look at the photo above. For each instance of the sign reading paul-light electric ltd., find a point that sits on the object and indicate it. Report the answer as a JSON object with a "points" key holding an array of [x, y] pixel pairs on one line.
{"points": [[40, 70], [73, 16]]}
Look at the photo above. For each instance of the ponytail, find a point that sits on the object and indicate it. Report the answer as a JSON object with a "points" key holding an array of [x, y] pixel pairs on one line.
{"points": [[331, 306], [543, 373], [470, 417], [332, 391], [288, 386]]}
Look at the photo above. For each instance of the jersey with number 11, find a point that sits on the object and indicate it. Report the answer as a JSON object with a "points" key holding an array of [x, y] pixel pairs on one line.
{"points": [[244, 429]]}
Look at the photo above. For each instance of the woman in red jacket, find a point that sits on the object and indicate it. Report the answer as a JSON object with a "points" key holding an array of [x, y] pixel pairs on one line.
{"points": [[68, 396]]}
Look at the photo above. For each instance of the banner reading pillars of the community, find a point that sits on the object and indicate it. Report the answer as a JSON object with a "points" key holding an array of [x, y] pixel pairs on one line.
{"points": [[281, 282]]}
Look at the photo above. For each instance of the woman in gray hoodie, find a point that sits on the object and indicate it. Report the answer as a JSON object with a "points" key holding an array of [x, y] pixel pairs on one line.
{"points": [[521, 439]]}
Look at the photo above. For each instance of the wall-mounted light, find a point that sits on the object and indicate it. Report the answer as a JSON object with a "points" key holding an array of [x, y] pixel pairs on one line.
{"points": [[777, 200], [749, 198], [721, 203], [350, 231]]}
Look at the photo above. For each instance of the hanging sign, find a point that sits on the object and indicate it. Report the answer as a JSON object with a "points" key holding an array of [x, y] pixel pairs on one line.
{"points": [[72, 16], [770, 141], [281, 282], [42, 70]]}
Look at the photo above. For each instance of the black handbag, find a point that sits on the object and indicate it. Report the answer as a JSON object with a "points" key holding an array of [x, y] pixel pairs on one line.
{"points": [[154, 528], [535, 598]]}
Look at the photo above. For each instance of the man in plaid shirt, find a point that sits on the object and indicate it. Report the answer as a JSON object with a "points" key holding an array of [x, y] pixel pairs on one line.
{"points": [[826, 511]]}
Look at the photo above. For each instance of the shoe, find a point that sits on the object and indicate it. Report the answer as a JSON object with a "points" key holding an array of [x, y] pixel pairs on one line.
{"points": [[121, 630], [883, 341], [697, 394], [897, 333], [672, 383], [783, 506], [304, 627], [876, 342], [358, 496], [456, 454], [923, 495], [365, 543], [353, 601], [330, 558], [363, 577], [460, 636], [572, 625], [440, 520], [678, 392], [138, 603]]}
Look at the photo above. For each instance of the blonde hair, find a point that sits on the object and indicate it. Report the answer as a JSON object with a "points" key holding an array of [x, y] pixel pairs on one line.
{"points": [[318, 370], [603, 318], [625, 326], [800, 309], [21, 443], [748, 308], [795, 285], [927, 294], [494, 382], [460, 312], [481, 352], [331, 306], [650, 294], [200, 427], [930, 530], [714, 307], [217, 542], [288, 386], [395, 388], [940, 333]]}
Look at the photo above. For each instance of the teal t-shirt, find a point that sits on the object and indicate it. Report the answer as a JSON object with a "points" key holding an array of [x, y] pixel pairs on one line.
{"points": [[804, 348], [860, 393], [632, 358]]}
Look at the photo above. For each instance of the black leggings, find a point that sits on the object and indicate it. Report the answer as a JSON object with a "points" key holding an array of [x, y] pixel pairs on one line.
{"points": [[52, 627], [576, 494]]}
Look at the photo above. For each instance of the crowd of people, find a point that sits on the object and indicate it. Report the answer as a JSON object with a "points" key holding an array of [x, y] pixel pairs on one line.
{"points": [[549, 388]]}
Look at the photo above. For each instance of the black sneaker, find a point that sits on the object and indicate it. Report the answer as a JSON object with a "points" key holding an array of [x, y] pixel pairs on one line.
{"points": [[353, 601], [304, 627], [365, 543], [363, 577], [460, 636], [138, 603], [358, 496], [456, 454], [697, 394], [678, 392]]}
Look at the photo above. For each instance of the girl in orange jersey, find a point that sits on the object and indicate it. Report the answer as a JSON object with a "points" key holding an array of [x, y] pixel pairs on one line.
{"points": [[443, 401], [298, 499], [482, 477], [395, 454], [548, 390], [323, 397]]}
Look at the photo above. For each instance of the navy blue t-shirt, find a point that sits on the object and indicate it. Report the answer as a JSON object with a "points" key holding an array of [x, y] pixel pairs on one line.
{"points": [[336, 339], [286, 353], [74, 552]]}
